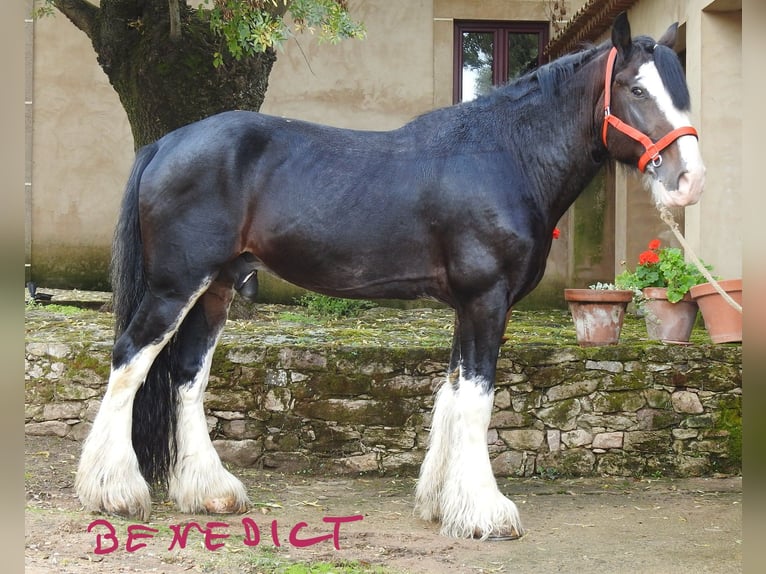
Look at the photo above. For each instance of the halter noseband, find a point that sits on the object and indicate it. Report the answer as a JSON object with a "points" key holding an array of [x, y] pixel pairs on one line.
{"points": [[652, 149]]}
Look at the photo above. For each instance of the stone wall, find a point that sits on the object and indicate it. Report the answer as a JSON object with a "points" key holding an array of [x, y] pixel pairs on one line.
{"points": [[628, 410]]}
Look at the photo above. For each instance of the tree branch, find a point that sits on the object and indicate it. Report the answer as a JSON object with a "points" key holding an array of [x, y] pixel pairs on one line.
{"points": [[278, 9], [81, 13]]}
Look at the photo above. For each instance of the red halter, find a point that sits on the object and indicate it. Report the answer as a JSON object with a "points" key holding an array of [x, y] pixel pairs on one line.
{"points": [[652, 149]]}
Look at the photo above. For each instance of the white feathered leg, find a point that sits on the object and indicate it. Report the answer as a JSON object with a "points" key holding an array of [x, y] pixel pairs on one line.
{"points": [[199, 482], [434, 468], [459, 487], [108, 476]]}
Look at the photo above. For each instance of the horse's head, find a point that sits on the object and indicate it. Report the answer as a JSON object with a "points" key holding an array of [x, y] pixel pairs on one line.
{"points": [[646, 115]]}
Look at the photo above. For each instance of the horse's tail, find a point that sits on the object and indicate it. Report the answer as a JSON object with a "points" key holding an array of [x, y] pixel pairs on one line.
{"points": [[154, 406]]}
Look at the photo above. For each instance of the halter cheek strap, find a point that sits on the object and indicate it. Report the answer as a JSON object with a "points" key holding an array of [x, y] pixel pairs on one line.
{"points": [[651, 149]]}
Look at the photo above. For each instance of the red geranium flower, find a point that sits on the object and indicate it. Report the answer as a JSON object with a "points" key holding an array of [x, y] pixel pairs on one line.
{"points": [[556, 233], [661, 267], [648, 258]]}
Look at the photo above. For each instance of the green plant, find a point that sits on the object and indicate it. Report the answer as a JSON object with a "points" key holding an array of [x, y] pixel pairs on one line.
{"points": [[326, 306], [662, 267], [55, 308], [549, 473], [266, 561]]}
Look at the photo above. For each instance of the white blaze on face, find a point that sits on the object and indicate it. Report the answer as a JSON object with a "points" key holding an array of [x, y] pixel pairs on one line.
{"points": [[692, 177]]}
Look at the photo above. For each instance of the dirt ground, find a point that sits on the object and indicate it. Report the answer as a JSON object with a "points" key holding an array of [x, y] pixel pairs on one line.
{"points": [[573, 525]]}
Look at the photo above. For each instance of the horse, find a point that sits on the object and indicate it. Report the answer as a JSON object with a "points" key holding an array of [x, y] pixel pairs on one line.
{"points": [[457, 205]]}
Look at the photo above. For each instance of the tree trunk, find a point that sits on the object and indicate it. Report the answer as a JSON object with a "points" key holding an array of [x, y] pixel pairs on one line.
{"points": [[163, 82]]}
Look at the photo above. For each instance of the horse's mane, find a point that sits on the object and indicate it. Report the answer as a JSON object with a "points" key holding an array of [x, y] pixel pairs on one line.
{"points": [[549, 77], [552, 75]]}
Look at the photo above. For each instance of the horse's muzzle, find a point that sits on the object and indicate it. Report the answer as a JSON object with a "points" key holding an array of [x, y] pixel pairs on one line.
{"points": [[688, 190]]}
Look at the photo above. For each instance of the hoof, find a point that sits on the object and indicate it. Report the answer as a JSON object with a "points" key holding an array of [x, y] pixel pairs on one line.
{"points": [[469, 514], [499, 536], [109, 497], [112, 484], [226, 505], [216, 491]]}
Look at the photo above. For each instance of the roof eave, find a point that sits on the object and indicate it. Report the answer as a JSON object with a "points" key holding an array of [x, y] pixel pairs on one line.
{"points": [[586, 25]]}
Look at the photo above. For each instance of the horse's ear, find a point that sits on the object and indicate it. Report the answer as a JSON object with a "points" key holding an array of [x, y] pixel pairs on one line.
{"points": [[669, 37], [621, 34]]}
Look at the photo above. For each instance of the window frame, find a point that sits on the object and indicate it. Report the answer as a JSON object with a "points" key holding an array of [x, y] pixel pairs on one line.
{"points": [[500, 29]]}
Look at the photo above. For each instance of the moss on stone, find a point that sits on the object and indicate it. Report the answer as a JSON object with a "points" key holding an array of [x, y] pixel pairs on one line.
{"points": [[87, 360], [337, 385], [659, 441], [567, 463], [620, 463], [662, 465], [524, 402], [658, 399], [729, 421], [618, 401], [653, 419], [724, 377], [394, 412], [42, 391], [561, 414], [547, 376], [703, 421], [724, 401], [221, 365], [626, 381], [69, 391], [629, 349]]}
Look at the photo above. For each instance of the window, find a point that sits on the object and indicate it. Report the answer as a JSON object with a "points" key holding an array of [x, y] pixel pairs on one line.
{"points": [[492, 53]]}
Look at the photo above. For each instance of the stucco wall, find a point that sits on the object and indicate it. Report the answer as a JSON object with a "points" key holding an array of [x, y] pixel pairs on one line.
{"points": [[82, 152], [378, 83], [720, 101]]}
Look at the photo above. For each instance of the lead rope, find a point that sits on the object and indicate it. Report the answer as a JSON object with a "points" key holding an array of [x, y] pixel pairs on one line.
{"points": [[667, 217]]}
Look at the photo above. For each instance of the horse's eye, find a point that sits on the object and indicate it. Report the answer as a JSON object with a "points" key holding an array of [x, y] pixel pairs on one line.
{"points": [[636, 91]]}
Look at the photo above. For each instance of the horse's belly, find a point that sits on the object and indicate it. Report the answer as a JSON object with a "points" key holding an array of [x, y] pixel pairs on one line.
{"points": [[388, 275]]}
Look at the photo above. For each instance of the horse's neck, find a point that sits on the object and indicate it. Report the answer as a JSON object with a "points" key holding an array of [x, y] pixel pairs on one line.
{"points": [[565, 151]]}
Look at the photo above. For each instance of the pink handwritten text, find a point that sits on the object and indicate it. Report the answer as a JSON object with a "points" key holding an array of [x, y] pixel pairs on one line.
{"points": [[213, 534]]}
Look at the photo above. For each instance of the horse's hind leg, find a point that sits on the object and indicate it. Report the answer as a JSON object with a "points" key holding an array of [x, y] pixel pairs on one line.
{"points": [[108, 477], [199, 482]]}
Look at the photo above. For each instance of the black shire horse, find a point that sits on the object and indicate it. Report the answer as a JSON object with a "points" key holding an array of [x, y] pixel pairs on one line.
{"points": [[458, 205]]}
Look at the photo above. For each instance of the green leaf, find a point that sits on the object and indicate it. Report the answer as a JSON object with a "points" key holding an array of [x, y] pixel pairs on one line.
{"points": [[248, 27]]}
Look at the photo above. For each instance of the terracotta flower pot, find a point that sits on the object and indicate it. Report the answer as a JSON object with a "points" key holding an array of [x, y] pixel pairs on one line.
{"points": [[666, 321], [722, 321], [597, 314]]}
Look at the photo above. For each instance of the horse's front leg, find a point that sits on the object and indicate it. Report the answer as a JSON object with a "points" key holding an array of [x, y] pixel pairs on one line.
{"points": [[456, 484]]}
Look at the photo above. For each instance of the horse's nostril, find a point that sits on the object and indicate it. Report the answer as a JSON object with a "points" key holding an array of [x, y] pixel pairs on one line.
{"points": [[689, 190]]}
